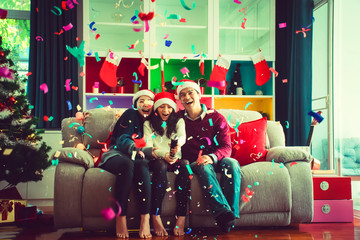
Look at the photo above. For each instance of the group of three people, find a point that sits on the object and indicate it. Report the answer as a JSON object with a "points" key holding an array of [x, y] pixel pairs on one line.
{"points": [[155, 118]]}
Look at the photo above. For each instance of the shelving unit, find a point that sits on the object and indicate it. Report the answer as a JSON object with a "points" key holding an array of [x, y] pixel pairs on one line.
{"points": [[213, 27]]}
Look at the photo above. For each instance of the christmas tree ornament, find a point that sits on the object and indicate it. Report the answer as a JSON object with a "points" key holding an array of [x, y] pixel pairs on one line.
{"points": [[263, 72], [218, 74], [142, 66], [108, 70]]}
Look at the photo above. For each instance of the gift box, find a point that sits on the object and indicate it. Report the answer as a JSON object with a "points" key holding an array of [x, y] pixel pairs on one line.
{"points": [[7, 211], [334, 188], [333, 211], [22, 212]]}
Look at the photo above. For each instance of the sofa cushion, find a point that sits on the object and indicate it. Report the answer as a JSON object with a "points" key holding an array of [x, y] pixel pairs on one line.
{"points": [[289, 154], [98, 123], [249, 142]]}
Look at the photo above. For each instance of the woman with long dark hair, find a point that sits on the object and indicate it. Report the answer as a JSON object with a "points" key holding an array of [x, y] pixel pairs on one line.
{"points": [[160, 130]]}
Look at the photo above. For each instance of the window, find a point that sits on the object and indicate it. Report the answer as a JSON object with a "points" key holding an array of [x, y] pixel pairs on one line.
{"points": [[15, 32]]}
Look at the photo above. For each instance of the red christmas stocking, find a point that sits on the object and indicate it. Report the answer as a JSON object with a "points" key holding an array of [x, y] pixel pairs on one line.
{"points": [[218, 74], [263, 72], [142, 66], [108, 70]]}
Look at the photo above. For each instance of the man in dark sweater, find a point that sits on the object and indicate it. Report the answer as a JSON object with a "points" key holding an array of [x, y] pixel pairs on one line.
{"points": [[208, 148]]}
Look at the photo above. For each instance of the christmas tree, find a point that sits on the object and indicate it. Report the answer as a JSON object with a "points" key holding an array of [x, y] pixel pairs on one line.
{"points": [[22, 157], [236, 81]]}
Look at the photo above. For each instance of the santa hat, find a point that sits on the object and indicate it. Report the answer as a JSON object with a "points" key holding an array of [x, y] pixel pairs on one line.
{"points": [[186, 83], [165, 98], [144, 92]]}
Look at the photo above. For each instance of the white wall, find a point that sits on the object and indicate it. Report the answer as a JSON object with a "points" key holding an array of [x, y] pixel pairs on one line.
{"points": [[346, 69]]}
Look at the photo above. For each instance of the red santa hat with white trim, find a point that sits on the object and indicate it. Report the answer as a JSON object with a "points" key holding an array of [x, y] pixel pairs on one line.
{"points": [[165, 98], [185, 84], [144, 92]]}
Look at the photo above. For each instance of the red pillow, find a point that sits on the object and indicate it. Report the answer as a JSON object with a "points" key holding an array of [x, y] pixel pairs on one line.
{"points": [[248, 145]]}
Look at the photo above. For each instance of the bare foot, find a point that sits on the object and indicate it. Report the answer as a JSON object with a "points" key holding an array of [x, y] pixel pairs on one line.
{"points": [[121, 227], [144, 231], [158, 226], [179, 228]]}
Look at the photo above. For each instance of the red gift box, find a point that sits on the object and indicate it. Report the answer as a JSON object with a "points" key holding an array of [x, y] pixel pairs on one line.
{"points": [[334, 188], [333, 211]]}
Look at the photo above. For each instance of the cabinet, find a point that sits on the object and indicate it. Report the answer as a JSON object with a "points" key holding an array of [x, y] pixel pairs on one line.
{"points": [[211, 29]]}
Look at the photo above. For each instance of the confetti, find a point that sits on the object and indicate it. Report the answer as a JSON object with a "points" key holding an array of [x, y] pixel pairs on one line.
{"points": [[247, 105], [168, 43], [163, 124], [245, 198], [166, 36], [284, 80], [7, 151], [274, 71], [282, 25], [44, 87], [93, 99], [69, 104], [55, 162], [68, 27], [293, 163], [67, 84], [186, 7], [237, 1], [189, 169], [58, 9], [243, 23], [216, 142], [303, 30], [211, 122], [287, 124]]}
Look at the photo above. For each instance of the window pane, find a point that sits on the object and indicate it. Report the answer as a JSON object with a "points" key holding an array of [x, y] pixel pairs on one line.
{"points": [[16, 38], [15, 4]]}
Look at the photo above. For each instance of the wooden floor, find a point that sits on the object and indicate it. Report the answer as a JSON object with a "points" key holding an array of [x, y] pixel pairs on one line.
{"points": [[43, 229]]}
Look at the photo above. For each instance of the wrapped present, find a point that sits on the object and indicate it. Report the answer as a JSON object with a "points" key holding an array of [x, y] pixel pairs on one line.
{"points": [[22, 212], [7, 211]]}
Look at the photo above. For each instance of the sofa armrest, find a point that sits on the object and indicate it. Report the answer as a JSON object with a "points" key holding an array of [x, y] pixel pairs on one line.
{"points": [[74, 155], [289, 154]]}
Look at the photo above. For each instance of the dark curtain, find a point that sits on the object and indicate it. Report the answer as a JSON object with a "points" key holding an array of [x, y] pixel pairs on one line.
{"points": [[47, 62], [294, 63]]}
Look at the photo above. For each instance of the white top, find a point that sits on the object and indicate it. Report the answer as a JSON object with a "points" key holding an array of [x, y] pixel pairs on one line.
{"points": [[162, 142]]}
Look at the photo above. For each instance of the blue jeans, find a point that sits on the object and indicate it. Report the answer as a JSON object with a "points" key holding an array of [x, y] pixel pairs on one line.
{"points": [[224, 196]]}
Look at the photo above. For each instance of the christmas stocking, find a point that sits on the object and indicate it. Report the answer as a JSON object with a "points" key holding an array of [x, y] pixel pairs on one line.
{"points": [[218, 74], [142, 66], [201, 65], [263, 73], [108, 70]]}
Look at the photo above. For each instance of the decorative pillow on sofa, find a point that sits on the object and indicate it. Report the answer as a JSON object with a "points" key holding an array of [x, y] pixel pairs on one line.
{"points": [[248, 145]]}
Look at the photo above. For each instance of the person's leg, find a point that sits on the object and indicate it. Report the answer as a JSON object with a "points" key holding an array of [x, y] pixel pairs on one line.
{"points": [[182, 187], [214, 196], [158, 188], [142, 183], [231, 182], [122, 167]]}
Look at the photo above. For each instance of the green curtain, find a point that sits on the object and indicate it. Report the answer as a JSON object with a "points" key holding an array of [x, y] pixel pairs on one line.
{"points": [[47, 62], [294, 63]]}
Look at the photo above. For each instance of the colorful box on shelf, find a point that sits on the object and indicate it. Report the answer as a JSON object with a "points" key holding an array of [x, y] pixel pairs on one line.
{"points": [[333, 211], [332, 188]]}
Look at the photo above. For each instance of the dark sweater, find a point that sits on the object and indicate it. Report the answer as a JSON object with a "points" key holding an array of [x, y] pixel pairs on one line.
{"points": [[121, 140], [199, 131]]}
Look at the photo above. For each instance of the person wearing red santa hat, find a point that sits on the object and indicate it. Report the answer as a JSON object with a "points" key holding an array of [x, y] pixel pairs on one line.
{"points": [[127, 160], [207, 127], [160, 130]]}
